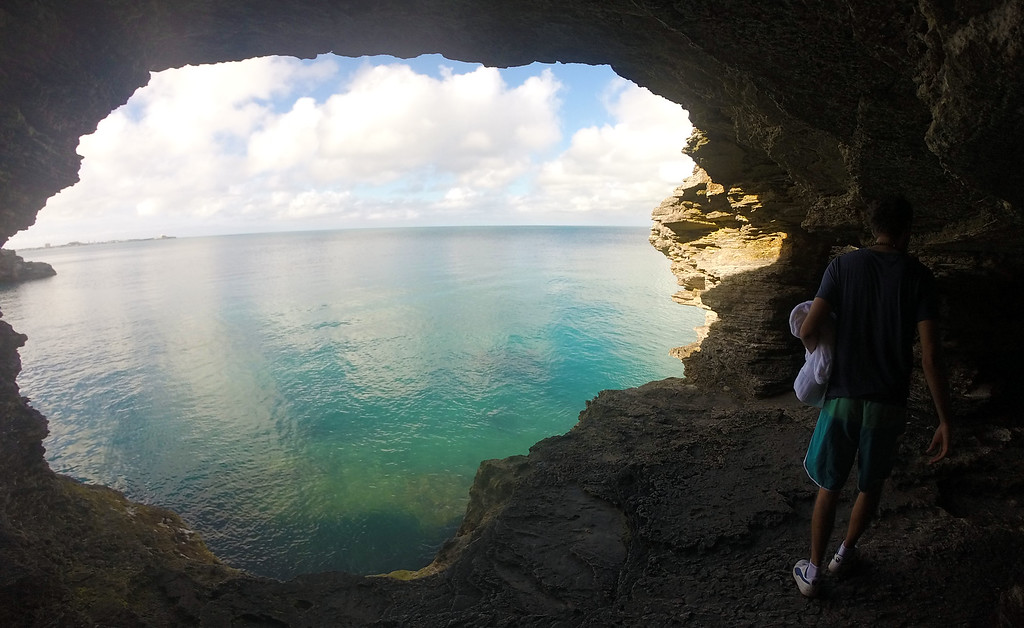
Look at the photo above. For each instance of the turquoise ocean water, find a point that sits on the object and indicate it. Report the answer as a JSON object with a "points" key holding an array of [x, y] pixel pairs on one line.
{"points": [[321, 401]]}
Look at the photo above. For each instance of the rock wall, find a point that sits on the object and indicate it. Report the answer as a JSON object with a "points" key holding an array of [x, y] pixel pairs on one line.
{"points": [[14, 269], [736, 255]]}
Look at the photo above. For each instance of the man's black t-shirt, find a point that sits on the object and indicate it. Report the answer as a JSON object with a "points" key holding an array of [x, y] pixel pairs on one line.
{"points": [[878, 299]]}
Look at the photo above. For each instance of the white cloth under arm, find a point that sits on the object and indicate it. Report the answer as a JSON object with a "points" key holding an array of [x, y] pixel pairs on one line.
{"points": [[812, 380]]}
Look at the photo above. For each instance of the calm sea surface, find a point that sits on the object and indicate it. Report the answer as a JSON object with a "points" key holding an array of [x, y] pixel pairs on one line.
{"points": [[321, 401]]}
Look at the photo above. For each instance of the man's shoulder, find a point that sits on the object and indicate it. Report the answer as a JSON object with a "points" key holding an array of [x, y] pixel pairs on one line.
{"points": [[854, 257], [866, 256]]}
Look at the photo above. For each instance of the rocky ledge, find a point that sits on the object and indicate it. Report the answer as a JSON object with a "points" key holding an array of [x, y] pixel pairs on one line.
{"points": [[14, 269]]}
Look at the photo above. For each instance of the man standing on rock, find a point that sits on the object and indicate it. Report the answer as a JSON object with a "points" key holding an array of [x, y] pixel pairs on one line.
{"points": [[880, 297]]}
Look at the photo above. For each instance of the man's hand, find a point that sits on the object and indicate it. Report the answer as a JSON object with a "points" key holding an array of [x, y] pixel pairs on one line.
{"points": [[938, 386], [940, 442]]}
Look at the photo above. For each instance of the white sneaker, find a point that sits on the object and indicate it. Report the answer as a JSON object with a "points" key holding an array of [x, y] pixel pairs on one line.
{"points": [[839, 565], [809, 588]]}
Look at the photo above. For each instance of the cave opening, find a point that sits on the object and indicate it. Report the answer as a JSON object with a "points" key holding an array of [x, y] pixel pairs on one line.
{"points": [[186, 464], [286, 144]]}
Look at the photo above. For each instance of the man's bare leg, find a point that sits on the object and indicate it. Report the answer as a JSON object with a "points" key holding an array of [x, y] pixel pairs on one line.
{"points": [[822, 521], [863, 513]]}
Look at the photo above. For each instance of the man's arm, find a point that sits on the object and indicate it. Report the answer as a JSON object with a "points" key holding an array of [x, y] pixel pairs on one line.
{"points": [[810, 331], [938, 386]]}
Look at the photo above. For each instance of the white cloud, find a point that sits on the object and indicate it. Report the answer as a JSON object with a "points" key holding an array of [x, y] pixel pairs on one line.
{"points": [[458, 197], [284, 142], [612, 167], [393, 123], [277, 143], [313, 203]]}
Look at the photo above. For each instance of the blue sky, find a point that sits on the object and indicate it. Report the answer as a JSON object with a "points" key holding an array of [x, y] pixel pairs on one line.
{"points": [[282, 144]]}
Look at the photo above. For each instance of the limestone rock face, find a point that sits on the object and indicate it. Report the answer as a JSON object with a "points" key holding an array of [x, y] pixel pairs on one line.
{"points": [[803, 111], [735, 256], [13, 268]]}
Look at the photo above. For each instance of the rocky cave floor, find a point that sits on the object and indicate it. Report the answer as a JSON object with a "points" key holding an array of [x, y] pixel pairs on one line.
{"points": [[664, 506]]}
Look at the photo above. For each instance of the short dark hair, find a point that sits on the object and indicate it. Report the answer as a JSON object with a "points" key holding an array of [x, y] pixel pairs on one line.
{"points": [[890, 215]]}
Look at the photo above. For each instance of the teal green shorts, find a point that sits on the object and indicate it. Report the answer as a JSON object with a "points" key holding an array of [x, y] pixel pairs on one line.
{"points": [[849, 429]]}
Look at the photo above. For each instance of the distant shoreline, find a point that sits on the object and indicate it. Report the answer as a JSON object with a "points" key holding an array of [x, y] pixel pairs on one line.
{"points": [[331, 230], [77, 243], [334, 229]]}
